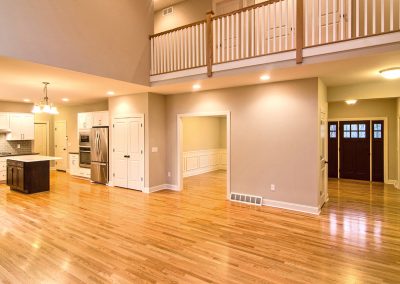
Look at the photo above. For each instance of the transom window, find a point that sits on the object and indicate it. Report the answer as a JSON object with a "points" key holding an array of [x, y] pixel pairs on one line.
{"points": [[377, 130], [354, 131], [332, 131]]}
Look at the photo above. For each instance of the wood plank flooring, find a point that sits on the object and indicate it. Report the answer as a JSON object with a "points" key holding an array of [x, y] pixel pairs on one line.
{"points": [[86, 233]]}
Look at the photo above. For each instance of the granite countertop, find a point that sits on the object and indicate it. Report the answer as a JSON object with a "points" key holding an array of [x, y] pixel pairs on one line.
{"points": [[15, 155], [32, 158]]}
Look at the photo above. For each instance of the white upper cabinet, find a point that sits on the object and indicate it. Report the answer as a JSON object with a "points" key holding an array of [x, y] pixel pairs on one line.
{"points": [[4, 121], [85, 120], [22, 126], [100, 118]]}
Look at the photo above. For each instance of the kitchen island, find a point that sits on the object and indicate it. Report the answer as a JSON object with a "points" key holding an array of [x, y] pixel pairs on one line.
{"points": [[29, 174]]}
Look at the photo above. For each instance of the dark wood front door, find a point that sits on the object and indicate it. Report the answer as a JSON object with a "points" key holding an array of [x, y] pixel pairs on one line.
{"points": [[355, 150], [377, 150], [333, 149]]}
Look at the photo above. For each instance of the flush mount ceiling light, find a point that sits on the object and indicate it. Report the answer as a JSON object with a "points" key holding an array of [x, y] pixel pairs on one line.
{"points": [[196, 87], [265, 77], [392, 73], [351, 102], [65, 99], [111, 93], [27, 100], [44, 106]]}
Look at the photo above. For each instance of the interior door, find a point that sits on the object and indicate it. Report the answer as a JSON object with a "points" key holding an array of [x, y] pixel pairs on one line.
{"points": [[323, 191], [377, 150], [120, 150], [60, 144], [333, 142], [355, 150], [136, 154], [40, 141]]}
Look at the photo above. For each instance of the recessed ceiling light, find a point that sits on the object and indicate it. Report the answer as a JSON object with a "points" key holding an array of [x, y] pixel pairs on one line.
{"points": [[265, 77], [392, 73], [110, 93], [351, 102], [27, 100], [65, 99], [196, 87]]}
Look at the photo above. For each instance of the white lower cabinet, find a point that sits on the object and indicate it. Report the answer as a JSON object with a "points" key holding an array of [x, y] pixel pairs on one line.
{"points": [[3, 170], [75, 169]]}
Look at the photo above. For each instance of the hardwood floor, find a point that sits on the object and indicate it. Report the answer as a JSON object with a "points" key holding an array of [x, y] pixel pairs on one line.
{"points": [[86, 233]]}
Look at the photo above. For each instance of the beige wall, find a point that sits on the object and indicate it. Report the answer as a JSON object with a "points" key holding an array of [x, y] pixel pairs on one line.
{"points": [[202, 133], [157, 139], [274, 135], [373, 108], [104, 38], [15, 107], [362, 91], [398, 142], [185, 13]]}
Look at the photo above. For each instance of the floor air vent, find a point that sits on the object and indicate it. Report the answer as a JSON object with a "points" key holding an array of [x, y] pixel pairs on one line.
{"points": [[248, 199]]}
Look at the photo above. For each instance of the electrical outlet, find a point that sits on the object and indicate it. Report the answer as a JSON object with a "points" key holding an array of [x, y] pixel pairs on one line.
{"points": [[272, 187], [18, 146], [169, 174]]}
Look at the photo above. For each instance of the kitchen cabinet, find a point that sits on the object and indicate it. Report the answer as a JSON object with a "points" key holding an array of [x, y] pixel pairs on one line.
{"points": [[75, 169], [22, 126], [3, 169], [100, 118], [85, 120], [4, 121], [23, 175]]}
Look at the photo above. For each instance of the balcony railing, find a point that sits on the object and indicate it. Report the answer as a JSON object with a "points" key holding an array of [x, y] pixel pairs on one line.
{"points": [[268, 28]]}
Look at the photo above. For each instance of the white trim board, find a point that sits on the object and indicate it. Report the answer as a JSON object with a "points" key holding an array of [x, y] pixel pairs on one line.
{"points": [[292, 206], [160, 187], [203, 161], [385, 144]]}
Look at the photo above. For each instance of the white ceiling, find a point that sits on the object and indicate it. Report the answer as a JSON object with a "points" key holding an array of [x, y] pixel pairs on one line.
{"points": [[161, 4], [21, 80]]}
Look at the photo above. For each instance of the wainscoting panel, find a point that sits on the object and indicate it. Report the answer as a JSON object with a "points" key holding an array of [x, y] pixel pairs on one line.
{"points": [[203, 161]]}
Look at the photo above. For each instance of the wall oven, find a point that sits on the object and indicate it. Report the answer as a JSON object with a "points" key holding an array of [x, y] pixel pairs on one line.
{"points": [[84, 138], [84, 157]]}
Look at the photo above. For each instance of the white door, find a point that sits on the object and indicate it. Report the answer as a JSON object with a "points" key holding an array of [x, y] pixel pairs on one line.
{"points": [[40, 142], [323, 179], [136, 154], [120, 150], [60, 144], [128, 153]]}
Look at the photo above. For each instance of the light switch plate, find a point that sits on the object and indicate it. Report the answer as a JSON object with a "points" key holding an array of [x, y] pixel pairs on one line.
{"points": [[154, 149]]}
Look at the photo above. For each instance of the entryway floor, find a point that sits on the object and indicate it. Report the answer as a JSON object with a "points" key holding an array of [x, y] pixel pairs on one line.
{"points": [[87, 233]]}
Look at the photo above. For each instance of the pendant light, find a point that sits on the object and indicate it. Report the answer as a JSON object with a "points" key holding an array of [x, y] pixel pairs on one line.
{"points": [[44, 106]]}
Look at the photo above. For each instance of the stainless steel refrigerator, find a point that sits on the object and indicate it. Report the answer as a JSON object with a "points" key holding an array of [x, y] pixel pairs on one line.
{"points": [[99, 154]]}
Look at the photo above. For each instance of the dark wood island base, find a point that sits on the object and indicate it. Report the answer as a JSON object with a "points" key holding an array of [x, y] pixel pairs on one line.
{"points": [[28, 177]]}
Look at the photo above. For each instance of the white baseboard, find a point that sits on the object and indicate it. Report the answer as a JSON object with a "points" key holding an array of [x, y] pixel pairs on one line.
{"points": [[160, 187], [292, 206], [391, 181]]}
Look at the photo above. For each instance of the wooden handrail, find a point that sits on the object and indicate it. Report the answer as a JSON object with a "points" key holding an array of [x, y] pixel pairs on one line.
{"points": [[178, 28], [252, 7]]}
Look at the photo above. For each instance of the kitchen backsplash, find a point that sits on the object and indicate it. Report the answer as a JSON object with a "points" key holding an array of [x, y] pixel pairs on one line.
{"points": [[26, 147]]}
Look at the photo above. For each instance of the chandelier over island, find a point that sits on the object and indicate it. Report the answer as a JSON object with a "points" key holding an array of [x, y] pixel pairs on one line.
{"points": [[44, 106]]}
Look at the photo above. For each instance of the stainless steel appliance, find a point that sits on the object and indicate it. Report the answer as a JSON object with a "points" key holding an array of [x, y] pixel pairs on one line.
{"points": [[99, 154], [84, 138], [84, 157]]}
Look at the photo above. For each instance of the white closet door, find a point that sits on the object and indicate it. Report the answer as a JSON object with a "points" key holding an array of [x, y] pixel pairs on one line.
{"points": [[120, 150], [136, 154]]}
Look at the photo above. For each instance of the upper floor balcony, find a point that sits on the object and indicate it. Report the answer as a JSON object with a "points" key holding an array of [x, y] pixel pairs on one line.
{"points": [[273, 31]]}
